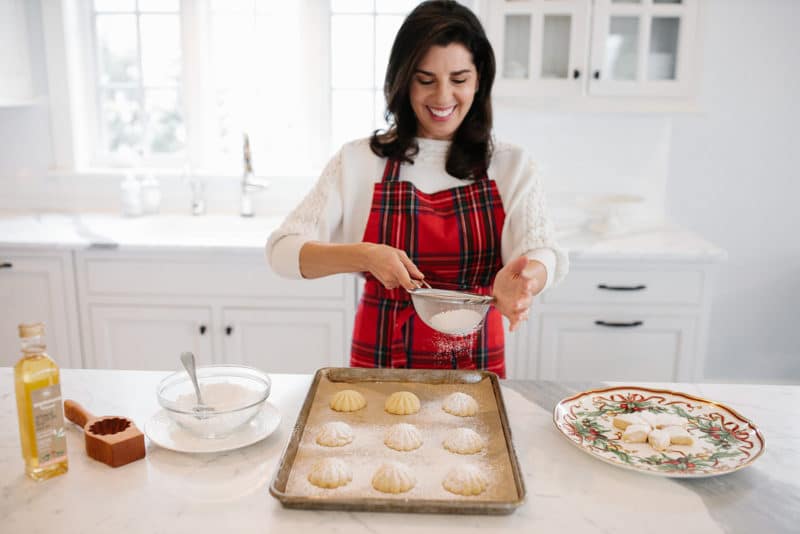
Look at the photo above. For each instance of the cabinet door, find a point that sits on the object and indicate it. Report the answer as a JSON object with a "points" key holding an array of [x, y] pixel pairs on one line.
{"points": [[540, 46], [600, 347], [32, 290], [147, 337], [643, 47], [285, 341]]}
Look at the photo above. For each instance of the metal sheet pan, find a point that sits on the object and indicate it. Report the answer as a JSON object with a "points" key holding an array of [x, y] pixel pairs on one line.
{"points": [[506, 490]]}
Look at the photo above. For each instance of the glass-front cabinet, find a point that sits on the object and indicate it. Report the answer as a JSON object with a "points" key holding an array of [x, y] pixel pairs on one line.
{"points": [[540, 45], [603, 48], [642, 47]]}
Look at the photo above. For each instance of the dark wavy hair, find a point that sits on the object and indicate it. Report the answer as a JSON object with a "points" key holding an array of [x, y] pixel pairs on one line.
{"points": [[438, 23]]}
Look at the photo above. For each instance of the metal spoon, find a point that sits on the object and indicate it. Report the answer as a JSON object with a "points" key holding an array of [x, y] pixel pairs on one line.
{"points": [[187, 359]]}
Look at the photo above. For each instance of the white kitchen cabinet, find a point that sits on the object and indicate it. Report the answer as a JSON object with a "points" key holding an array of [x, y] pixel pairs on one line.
{"points": [[16, 83], [285, 341], [615, 345], [540, 46], [620, 320], [38, 287], [643, 47], [140, 310], [578, 53], [147, 337]]}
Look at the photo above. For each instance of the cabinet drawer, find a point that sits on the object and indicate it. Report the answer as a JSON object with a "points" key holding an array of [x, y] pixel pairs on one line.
{"points": [[628, 287], [235, 278], [645, 348]]}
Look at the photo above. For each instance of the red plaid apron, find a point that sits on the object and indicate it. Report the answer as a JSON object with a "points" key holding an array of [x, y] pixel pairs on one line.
{"points": [[453, 236]]}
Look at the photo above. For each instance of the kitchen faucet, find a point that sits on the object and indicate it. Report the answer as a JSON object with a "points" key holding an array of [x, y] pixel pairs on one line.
{"points": [[250, 184]]}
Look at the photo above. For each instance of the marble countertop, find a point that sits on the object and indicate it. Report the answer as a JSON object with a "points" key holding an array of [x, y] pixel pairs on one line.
{"points": [[663, 242], [568, 491]]}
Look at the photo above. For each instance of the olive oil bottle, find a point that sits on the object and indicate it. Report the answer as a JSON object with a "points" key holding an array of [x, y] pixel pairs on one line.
{"points": [[39, 407]]}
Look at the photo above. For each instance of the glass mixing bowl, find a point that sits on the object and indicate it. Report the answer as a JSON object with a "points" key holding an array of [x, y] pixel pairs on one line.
{"points": [[232, 395], [455, 313]]}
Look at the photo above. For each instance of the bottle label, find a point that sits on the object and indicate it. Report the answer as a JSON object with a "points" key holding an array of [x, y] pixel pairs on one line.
{"points": [[48, 424]]}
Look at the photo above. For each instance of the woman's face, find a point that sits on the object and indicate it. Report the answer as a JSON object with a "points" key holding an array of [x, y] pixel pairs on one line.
{"points": [[442, 90]]}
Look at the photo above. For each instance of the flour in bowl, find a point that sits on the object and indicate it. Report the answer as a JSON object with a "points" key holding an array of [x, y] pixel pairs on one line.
{"points": [[456, 321], [221, 396]]}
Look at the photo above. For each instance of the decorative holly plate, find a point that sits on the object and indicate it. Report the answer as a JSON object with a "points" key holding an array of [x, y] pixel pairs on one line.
{"points": [[723, 440]]}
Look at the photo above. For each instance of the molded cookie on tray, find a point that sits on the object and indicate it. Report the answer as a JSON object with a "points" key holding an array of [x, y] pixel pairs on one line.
{"points": [[402, 403], [348, 400]]}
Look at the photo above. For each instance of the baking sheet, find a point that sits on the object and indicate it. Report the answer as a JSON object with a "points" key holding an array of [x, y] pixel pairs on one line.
{"points": [[429, 463]]}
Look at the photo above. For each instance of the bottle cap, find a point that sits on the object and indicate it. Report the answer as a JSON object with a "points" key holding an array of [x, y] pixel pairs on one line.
{"points": [[31, 330]]}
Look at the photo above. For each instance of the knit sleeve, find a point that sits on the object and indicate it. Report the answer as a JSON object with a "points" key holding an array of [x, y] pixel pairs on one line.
{"points": [[528, 226], [318, 217]]}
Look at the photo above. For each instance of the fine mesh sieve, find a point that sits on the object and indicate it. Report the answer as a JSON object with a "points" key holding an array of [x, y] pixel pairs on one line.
{"points": [[450, 312]]}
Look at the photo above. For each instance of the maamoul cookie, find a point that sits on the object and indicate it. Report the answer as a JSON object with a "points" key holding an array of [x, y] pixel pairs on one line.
{"points": [[465, 479], [348, 400], [393, 477], [403, 437], [679, 435], [460, 404], [623, 421], [464, 441], [330, 473], [661, 420], [636, 433], [335, 434], [402, 403], [658, 439]]}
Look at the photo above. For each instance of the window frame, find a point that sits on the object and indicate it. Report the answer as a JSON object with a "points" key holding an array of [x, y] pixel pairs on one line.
{"points": [[72, 65], [100, 156]]}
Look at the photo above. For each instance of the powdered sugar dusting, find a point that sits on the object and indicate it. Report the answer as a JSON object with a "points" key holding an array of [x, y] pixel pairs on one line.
{"points": [[429, 464], [457, 321], [451, 349]]}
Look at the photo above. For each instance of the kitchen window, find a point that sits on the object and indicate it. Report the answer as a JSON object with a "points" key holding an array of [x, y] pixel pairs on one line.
{"points": [[172, 83], [138, 81], [362, 33]]}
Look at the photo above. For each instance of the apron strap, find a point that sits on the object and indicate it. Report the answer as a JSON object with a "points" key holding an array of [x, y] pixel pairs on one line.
{"points": [[391, 172]]}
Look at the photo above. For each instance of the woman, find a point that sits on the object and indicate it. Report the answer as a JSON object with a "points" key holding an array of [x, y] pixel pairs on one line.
{"points": [[431, 198]]}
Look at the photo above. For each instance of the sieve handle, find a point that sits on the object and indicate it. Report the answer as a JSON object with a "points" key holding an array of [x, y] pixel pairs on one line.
{"points": [[480, 300], [421, 282]]}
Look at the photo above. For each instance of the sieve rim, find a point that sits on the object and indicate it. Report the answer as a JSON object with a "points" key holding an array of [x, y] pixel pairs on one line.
{"points": [[451, 296]]}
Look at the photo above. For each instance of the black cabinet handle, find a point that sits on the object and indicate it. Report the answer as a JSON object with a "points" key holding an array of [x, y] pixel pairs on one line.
{"points": [[228, 330], [619, 325], [6, 265], [202, 329], [621, 288], [576, 74], [596, 75]]}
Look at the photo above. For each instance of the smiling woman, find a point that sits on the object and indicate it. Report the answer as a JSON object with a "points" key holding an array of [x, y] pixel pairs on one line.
{"points": [[432, 197]]}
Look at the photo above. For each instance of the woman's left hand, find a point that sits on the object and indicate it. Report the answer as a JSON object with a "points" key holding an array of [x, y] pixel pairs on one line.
{"points": [[515, 286]]}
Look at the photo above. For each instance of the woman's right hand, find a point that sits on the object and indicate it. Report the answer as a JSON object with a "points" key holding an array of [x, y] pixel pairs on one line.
{"points": [[391, 266]]}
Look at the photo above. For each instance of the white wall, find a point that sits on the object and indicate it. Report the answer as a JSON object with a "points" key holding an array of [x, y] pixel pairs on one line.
{"points": [[729, 173], [735, 177]]}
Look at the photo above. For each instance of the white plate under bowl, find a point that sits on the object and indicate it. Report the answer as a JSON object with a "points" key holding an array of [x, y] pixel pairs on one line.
{"points": [[166, 433]]}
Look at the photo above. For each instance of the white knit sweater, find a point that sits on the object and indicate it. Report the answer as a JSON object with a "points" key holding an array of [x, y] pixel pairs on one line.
{"points": [[337, 208]]}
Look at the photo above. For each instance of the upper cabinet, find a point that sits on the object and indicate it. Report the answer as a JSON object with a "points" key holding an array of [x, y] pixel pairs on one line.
{"points": [[643, 47], [588, 54], [16, 82], [540, 46]]}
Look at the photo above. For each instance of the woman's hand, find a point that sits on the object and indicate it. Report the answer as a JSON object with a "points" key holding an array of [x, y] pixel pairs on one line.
{"points": [[391, 266], [515, 286]]}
